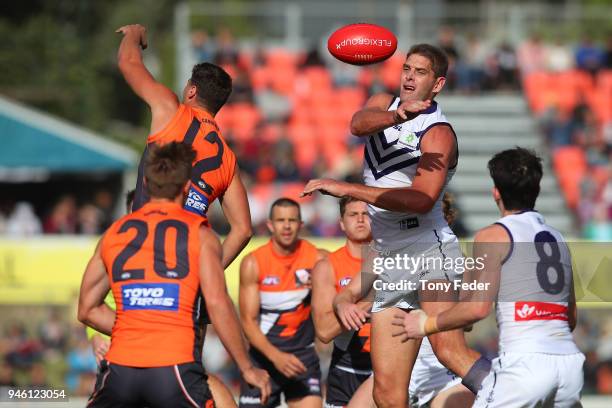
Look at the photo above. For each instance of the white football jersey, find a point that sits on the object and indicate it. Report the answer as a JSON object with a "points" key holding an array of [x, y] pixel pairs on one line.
{"points": [[391, 160], [535, 287]]}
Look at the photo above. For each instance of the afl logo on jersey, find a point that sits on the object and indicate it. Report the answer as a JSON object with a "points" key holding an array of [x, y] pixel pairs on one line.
{"points": [[302, 277], [270, 281], [345, 281]]}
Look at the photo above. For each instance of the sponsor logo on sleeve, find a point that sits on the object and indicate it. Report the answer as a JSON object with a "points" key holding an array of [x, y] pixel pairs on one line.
{"points": [[345, 281], [196, 202], [150, 296]]}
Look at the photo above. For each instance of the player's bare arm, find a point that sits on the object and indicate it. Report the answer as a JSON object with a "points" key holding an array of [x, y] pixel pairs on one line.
{"points": [[491, 245], [288, 364], [350, 306], [92, 309], [326, 324], [162, 101], [439, 153], [222, 313], [375, 115], [235, 207]]}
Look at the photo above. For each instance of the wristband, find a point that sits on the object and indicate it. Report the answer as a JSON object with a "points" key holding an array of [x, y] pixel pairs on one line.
{"points": [[431, 325]]}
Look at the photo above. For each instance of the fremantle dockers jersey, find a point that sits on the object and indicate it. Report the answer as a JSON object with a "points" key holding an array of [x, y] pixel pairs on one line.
{"points": [[391, 161], [351, 349], [534, 291], [284, 290]]}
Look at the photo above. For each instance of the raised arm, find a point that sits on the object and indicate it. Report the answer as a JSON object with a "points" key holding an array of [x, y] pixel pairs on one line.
{"points": [[221, 310], [286, 363], [235, 207], [92, 310], [375, 115], [439, 153], [162, 101]]}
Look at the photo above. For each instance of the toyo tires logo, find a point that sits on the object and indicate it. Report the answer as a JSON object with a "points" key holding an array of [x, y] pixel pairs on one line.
{"points": [[150, 296]]}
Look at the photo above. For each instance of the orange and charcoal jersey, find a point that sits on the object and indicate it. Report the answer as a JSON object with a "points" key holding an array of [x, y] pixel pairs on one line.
{"points": [[213, 167], [284, 291], [152, 259], [351, 349]]}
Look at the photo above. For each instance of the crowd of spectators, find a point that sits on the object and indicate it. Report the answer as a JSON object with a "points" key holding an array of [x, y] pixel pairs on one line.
{"points": [[569, 90], [288, 121], [289, 114], [50, 352], [65, 216], [53, 353]]}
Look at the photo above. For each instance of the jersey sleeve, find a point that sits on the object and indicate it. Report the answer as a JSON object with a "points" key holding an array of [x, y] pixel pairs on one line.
{"points": [[229, 168]]}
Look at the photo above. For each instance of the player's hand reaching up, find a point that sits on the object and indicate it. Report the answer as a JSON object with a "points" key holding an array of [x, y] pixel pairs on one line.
{"points": [[352, 316], [409, 110], [326, 186], [260, 379], [138, 31], [288, 364]]}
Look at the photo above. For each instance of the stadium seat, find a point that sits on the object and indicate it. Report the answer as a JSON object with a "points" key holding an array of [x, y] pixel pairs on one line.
{"points": [[353, 96], [304, 139], [279, 58], [293, 191], [570, 165], [539, 89], [224, 119], [283, 80], [334, 145], [391, 70], [600, 101], [246, 117], [313, 79], [260, 78]]}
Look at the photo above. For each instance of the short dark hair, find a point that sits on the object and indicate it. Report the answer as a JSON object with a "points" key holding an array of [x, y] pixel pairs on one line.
{"points": [[285, 202], [129, 199], [167, 168], [437, 57], [516, 173], [344, 201], [213, 85]]}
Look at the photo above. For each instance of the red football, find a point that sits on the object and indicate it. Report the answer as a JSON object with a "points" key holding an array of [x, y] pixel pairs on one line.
{"points": [[362, 44]]}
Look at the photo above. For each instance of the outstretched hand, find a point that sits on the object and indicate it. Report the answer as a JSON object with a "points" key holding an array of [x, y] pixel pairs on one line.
{"points": [[326, 186], [137, 30]]}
